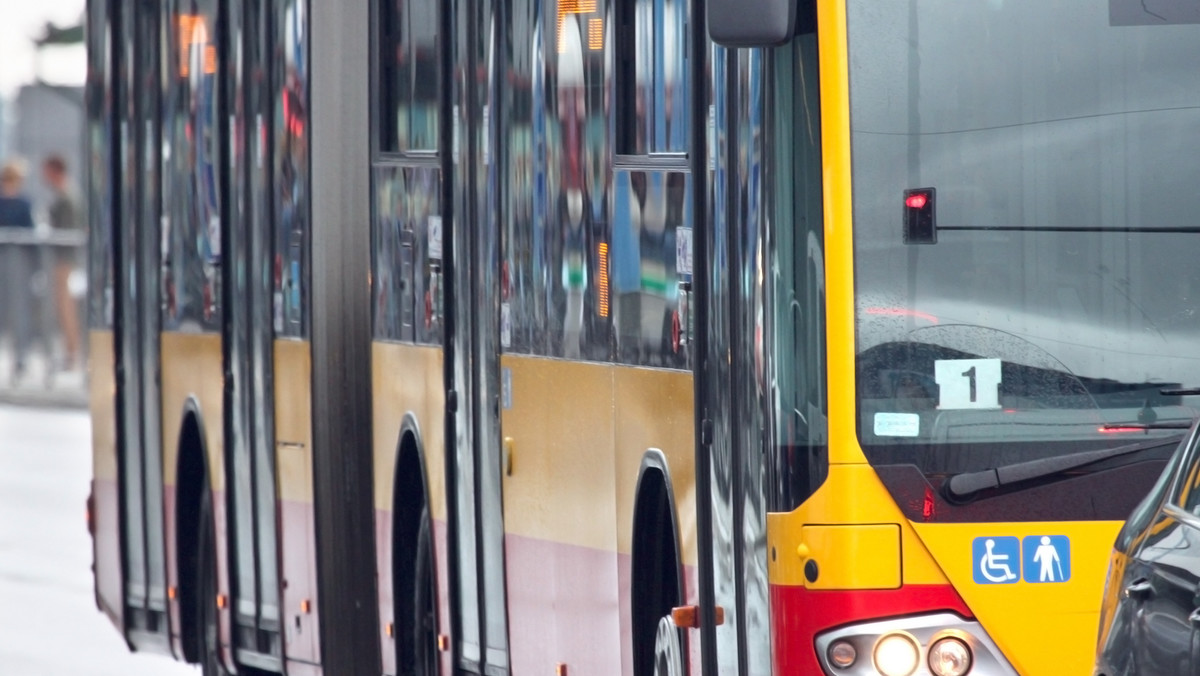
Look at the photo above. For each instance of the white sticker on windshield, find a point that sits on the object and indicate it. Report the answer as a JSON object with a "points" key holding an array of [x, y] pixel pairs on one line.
{"points": [[897, 425], [967, 383]]}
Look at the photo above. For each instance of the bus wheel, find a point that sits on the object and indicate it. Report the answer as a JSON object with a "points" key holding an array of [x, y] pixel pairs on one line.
{"points": [[425, 618], [206, 583], [668, 649]]}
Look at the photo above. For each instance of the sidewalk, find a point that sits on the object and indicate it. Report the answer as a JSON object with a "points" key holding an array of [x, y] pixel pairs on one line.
{"points": [[41, 385]]}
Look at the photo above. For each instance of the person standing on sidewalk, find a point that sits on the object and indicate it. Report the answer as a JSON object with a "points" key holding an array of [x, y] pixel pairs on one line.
{"points": [[64, 216], [16, 266]]}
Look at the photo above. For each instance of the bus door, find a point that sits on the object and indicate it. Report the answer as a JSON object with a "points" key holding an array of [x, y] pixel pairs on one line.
{"points": [[136, 301], [479, 592], [248, 334]]}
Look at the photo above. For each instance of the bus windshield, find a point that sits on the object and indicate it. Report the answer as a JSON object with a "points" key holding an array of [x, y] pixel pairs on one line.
{"points": [[1061, 293]]}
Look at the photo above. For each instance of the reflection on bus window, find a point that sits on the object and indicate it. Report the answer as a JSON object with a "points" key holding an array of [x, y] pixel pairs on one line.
{"points": [[192, 155], [407, 255], [1067, 214], [290, 260], [408, 75]]}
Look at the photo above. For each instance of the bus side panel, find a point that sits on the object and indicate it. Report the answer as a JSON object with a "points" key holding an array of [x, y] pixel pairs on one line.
{"points": [[105, 507], [299, 609], [560, 516], [407, 380]]}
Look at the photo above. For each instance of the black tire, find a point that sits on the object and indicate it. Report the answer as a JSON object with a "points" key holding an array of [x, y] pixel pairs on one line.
{"points": [[206, 624], [416, 608]]}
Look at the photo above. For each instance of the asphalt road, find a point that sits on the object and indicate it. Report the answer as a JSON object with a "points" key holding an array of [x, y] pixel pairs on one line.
{"points": [[49, 623]]}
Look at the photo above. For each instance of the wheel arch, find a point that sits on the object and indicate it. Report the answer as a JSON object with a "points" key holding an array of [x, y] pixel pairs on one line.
{"points": [[410, 505], [191, 480], [656, 579]]}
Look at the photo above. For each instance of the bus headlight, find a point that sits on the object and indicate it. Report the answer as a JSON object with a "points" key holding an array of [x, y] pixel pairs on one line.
{"points": [[842, 654], [935, 644], [897, 655], [949, 657]]}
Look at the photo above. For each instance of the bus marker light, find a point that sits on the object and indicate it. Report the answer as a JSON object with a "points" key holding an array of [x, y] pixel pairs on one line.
{"points": [[896, 655], [842, 654], [688, 617], [950, 657], [305, 606], [172, 593], [222, 601], [560, 669], [391, 630], [443, 643]]}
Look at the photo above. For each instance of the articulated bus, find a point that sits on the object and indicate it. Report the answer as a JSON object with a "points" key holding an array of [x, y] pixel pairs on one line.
{"points": [[633, 336]]}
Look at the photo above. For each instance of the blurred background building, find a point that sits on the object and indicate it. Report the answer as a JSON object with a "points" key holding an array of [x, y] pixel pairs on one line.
{"points": [[42, 71]]}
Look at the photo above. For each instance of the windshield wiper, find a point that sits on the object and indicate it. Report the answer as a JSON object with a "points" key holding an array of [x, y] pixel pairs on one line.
{"points": [[1164, 425], [962, 486], [1180, 392]]}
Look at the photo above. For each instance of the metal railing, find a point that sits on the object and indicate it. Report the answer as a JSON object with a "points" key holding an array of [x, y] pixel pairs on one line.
{"points": [[31, 325]]}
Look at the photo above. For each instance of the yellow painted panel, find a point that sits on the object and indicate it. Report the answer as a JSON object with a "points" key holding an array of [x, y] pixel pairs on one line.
{"points": [[102, 396], [562, 486], [654, 409], [851, 495], [853, 557], [1043, 628], [839, 240], [293, 419], [407, 379], [192, 370]]}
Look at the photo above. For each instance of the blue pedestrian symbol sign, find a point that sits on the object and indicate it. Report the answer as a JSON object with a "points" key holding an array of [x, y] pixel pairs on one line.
{"points": [[1047, 558], [1036, 558]]}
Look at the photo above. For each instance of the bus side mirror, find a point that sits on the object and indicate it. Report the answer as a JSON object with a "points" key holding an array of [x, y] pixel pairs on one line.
{"points": [[751, 23]]}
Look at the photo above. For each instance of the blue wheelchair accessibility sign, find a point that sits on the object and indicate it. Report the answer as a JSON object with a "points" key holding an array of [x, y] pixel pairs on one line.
{"points": [[1047, 558], [996, 560]]}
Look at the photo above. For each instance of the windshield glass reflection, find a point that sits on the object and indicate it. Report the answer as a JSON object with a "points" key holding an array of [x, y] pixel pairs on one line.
{"points": [[1062, 292]]}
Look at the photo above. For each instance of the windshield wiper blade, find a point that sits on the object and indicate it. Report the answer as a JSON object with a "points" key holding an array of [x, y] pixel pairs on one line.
{"points": [[1180, 392], [1164, 425], [962, 486]]}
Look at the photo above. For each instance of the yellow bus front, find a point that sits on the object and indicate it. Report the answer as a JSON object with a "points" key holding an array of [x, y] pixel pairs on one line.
{"points": [[1010, 232]]}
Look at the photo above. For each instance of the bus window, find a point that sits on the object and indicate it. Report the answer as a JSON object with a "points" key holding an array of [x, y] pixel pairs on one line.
{"points": [[191, 189], [794, 323], [653, 78], [408, 75], [291, 172]]}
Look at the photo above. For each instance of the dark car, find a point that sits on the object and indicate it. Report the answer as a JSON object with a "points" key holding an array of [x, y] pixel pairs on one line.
{"points": [[1150, 619]]}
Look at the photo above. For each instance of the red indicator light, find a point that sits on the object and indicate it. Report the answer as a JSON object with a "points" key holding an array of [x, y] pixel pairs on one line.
{"points": [[916, 201]]}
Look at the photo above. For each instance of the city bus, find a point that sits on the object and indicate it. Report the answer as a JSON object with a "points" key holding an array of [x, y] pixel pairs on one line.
{"points": [[642, 336]]}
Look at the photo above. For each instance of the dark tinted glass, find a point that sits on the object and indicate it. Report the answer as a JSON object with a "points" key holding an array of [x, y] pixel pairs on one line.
{"points": [[408, 75]]}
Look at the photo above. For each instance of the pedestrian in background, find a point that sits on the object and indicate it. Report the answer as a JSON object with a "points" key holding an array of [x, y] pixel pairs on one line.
{"points": [[16, 216], [64, 215]]}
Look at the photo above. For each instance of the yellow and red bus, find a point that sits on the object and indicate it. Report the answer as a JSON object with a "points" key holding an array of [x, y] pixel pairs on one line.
{"points": [[632, 336]]}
